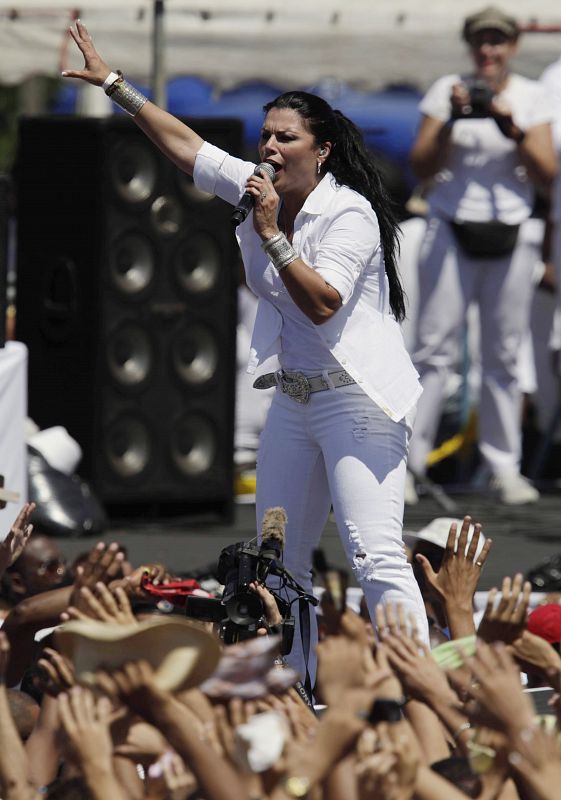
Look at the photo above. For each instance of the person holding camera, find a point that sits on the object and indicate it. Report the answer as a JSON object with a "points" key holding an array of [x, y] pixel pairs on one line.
{"points": [[319, 245], [485, 143]]}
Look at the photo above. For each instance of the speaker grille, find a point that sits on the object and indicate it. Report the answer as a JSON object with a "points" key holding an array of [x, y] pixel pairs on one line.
{"points": [[128, 447], [137, 311], [194, 445], [133, 169], [129, 355], [195, 355], [131, 263]]}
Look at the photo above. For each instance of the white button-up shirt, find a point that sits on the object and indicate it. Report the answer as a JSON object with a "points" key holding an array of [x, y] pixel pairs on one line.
{"points": [[336, 233]]}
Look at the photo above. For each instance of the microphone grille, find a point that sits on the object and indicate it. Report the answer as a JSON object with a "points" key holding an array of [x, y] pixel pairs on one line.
{"points": [[267, 168]]}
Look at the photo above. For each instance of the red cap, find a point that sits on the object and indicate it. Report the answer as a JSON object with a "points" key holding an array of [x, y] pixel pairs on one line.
{"points": [[545, 621]]}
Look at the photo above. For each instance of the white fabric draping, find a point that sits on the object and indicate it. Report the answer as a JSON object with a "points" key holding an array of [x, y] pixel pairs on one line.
{"points": [[367, 43], [13, 412]]}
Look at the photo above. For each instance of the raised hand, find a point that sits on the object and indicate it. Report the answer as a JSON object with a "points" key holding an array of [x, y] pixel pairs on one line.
{"points": [[103, 604], [95, 69], [340, 667], [418, 672], [535, 654], [57, 672], [85, 721], [456, 581], [507, 621], [132, 584], [134, 685], [137, 740], [14, 544], [391, 771], [169, 779], [103, 564], [86, 724], [535, 761], [500, 702]]}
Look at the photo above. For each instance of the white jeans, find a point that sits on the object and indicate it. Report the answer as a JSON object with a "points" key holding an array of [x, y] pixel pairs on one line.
{"points": [[449, 280], [339, 449]]}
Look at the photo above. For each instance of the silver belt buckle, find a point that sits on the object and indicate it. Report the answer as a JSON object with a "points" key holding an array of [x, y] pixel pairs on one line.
{"points": [[296, 386]]}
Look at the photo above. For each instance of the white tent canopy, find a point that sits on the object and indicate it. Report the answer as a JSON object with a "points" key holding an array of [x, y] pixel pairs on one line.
{"points": [[367, 43]]}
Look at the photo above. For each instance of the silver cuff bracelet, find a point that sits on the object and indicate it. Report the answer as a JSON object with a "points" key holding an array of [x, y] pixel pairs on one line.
{"points": [[128, 98], [280, 251]]}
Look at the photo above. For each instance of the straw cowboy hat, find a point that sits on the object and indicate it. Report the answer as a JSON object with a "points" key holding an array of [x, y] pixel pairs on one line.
{"points": [[182, 654]]}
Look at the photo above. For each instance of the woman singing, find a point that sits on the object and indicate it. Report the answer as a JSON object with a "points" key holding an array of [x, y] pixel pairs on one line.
{"points": [[319, 251]]}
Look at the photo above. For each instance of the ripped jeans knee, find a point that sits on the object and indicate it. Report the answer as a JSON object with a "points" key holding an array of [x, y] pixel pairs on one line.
{"points": [[363, 563]]}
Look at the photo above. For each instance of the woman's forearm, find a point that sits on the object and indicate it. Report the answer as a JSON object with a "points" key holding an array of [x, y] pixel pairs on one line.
{"points": [[313, 296], [175, 139]]}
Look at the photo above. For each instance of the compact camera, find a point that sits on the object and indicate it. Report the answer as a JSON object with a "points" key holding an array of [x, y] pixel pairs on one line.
{"points": [[480, 98]]}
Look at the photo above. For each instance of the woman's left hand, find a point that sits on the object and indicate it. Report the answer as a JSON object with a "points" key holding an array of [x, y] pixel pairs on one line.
{"points": [[266, 205], [95, 69]]}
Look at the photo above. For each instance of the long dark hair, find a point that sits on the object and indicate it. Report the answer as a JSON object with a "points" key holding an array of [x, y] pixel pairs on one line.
{"points": [[352, 165]]}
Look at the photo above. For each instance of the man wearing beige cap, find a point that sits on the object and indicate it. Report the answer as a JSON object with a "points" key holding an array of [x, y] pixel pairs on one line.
{"points": [[485, 143]]}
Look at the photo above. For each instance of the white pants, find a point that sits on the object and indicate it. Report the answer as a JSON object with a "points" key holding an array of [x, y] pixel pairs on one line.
{"points": [[449, 280], [339, 449]]}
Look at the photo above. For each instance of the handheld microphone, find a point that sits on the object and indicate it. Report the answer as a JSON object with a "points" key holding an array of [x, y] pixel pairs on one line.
{"points": [[247, 200]]}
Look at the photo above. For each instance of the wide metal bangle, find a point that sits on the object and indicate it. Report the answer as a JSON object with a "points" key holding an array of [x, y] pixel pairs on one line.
{"points": [[110, 80], [280, 251], [127, 97]]}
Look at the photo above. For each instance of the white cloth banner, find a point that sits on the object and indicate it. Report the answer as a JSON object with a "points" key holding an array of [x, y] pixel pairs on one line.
{"points": [[292, 44], [13, 412]]}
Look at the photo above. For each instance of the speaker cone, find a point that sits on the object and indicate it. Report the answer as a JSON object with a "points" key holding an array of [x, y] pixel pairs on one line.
{"points": [[195, 355], [129, 355], [193, 445], [133, 170], [127, 447], [197, 263], [131, 263], [166, 215], [190, 191]]}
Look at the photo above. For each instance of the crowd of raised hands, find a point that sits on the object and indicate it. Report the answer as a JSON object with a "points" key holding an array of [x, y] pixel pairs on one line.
{"points": [[397, 720]]}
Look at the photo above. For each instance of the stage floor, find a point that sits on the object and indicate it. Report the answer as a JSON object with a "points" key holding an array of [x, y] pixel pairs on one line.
{"points": [[521, 536]]}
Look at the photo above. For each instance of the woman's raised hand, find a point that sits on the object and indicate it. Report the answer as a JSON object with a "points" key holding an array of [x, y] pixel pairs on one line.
{"points": [[95, 69]]}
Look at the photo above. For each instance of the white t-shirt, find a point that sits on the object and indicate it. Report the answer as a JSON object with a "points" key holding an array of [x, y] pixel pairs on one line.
{"points": [[483, 178], [336, 232], [551, 79]]}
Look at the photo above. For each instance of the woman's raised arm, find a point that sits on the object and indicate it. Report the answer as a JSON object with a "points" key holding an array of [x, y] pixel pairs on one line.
{"points": [[175, 139]]}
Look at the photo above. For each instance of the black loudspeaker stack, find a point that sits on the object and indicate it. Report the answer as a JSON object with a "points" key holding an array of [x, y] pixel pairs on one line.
{"points": [[126, 298]]}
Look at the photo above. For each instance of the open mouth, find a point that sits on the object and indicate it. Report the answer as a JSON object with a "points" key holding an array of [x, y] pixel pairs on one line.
{"points": [[276, 167]]}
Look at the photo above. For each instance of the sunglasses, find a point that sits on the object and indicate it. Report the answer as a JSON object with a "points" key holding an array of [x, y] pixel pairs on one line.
{"points": [[52, 567]]}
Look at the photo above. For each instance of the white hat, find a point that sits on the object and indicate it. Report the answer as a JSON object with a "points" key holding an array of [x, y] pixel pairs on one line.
{"points": [[58, 448], [181, 653], [436, 532]]}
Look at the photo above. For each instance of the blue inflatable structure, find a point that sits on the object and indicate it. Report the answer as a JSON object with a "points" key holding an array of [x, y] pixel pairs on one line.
{"points": [[387, 119]]}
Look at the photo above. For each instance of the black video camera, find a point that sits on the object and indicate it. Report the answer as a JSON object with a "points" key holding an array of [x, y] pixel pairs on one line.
{"points": [[240, 612]]}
